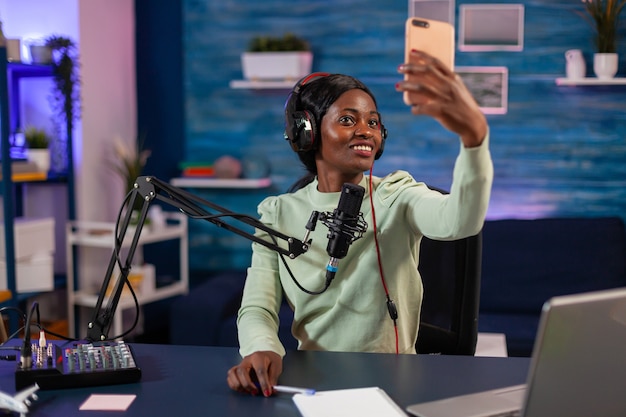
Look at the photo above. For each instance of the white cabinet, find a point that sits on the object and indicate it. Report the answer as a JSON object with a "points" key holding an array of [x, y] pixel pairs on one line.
{"points": [[101, 235]]}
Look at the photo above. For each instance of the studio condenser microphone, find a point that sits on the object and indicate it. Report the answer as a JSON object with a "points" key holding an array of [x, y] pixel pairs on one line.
{"points": [[345, 225]]}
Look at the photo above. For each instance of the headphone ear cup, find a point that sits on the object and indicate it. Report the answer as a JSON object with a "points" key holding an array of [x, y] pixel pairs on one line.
{"points": [[303, 131], [383, 135], [300, 128]]}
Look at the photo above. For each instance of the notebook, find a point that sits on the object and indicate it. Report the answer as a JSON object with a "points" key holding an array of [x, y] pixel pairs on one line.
{"points": [[356, 402], [578, 366]]}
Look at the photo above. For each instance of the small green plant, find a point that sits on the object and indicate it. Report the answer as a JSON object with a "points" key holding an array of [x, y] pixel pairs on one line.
{"points": [[289, 42], [36, 138]]}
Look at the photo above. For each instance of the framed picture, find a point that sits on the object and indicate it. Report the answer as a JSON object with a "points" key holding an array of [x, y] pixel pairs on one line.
{"points": [[442, 10], [491, 27], [488, 85]]}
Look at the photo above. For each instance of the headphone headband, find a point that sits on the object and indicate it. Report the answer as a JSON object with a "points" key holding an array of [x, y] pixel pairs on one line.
{"points": [[306, 79]]}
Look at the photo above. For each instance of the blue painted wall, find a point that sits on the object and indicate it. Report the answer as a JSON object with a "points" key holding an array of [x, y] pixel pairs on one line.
{"points": [[559, 151]]}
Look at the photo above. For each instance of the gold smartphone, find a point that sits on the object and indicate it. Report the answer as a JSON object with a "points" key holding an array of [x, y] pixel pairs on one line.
{"points": [[431, 36]]}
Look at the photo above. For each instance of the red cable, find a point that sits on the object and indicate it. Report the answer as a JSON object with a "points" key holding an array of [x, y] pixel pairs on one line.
{"points": [[380, 264]]}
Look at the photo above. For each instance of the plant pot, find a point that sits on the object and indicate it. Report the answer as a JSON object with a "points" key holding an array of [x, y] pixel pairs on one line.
{"points": [[605, 65], [276, 65], [41, 158], [40, 54]]}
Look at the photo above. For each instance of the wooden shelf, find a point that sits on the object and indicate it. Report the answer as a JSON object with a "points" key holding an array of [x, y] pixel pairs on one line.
{"points": [[262, 85], [220, 183], [590, 81]]}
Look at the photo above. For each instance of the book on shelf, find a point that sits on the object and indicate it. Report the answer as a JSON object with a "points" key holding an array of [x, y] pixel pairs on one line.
{"points": [[197, 169], [25, 171], [198, 172]]}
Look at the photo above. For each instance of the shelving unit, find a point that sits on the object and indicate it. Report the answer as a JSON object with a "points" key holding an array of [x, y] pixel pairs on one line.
{"points": [[590, 81], [101, 235], [11, 75]]}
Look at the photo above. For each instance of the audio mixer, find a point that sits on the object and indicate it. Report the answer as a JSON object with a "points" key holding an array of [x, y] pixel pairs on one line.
{"points": [[78, 365]]}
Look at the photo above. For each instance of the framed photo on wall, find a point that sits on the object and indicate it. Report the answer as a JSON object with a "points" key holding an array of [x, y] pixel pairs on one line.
{"points": [[442, 10], [491, 27], [488, 85]]}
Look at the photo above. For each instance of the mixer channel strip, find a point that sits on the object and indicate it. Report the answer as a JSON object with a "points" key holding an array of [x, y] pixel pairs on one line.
{"points": [[79, 365]]}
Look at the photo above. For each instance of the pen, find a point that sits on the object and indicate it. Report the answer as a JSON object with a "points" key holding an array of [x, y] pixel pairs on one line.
{"points": [[293, 390]]}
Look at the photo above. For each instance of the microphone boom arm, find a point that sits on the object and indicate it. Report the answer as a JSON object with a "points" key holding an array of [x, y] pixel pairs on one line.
{"points": [[148, 188]]}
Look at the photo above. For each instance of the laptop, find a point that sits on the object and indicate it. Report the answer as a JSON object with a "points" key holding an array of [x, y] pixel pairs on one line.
{"points": [[577, 369]]}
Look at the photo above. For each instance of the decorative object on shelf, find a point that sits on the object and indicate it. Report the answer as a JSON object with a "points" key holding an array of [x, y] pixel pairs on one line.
{"points": [[255, 166], [271, 58], [605, 65], [227, 167], [40, 54], [14, 50], [129, 162], [603, 16], [12, 45], [575, 67], [66, 93], [37, 141], [3, 39]]}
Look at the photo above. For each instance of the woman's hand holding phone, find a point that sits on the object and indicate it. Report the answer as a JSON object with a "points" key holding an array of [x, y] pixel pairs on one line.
{"points": [[432, 89]]}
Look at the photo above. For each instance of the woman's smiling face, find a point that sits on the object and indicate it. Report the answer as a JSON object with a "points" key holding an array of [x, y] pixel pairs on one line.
{"points": [[351, 136]]}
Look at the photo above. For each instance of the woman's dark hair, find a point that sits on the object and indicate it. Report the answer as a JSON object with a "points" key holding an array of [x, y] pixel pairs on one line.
{"points": [[316, 97]]}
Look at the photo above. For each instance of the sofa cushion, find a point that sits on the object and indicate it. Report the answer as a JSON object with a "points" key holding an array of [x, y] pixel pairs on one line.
{"points": [[208, 314], [527, 262], [195, 318]]}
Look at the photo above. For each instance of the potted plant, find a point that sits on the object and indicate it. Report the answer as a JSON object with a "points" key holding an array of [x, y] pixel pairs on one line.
{"points": [[129, 162], [37, 141], [65, 99], [277, 58], [603, 16]]}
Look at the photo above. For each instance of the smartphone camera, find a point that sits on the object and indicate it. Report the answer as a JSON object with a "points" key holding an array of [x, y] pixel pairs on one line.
{"points": [[420, 23]]}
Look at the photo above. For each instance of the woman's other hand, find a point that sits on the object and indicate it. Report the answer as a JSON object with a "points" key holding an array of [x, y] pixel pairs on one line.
{"points": [[257, 373]]}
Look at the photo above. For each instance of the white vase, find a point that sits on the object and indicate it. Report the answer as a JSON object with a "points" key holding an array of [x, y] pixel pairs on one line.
{"points": [[575, 64], [41, 158], [605, 65]]}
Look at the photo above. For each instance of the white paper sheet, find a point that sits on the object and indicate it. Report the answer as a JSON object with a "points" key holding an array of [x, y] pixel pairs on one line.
{"points": [[357, 402], [107, 402]]}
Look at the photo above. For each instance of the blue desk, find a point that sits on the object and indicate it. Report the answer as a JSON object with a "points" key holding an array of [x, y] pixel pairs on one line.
{"points": [[191, 381]]}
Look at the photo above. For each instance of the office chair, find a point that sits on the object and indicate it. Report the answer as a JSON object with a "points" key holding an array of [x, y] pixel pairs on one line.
{"points": [[450, 273]]}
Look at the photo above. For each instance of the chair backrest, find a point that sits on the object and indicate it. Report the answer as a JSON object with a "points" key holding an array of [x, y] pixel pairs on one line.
{"points": [[450, 273]]}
